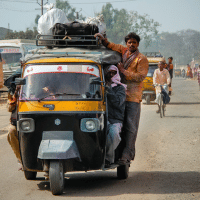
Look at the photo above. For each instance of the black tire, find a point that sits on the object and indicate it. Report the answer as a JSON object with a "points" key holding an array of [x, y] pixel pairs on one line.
{"points": [[56, 177], [123, 171], [148, 99], [161, 107], [30, 175]]}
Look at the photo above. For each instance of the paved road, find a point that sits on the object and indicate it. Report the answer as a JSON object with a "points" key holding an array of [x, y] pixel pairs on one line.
{"points": [[4, 116], [167, 164]]}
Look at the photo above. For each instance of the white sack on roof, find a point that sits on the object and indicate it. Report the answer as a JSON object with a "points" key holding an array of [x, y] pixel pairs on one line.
{"points": [[51, 17], [99, 21]]}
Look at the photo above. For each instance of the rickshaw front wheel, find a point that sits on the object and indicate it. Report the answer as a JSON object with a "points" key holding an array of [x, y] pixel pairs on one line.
{"points": [[56, 177], [148, 99], [123, 171], [30, 175]]}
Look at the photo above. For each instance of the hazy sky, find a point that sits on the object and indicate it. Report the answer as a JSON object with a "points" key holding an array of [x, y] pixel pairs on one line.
{"points": [[173, 15]]}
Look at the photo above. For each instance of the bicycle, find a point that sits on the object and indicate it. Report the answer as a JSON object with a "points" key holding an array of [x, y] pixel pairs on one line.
{"points": [[160, 97]]}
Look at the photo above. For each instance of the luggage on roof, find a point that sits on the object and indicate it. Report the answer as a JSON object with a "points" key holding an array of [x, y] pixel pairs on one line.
{"points": [[84, 34], [70, 34], [75, 28]]}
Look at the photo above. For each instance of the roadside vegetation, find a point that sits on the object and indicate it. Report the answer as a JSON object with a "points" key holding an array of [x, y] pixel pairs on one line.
{"points": [[182, 45]]}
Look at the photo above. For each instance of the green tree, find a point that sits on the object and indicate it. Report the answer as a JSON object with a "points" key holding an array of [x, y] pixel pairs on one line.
{"points": [[144, 26], [28, 34], [21, 34], [120, 22], [70, 11], [36, 19], [11, 35], [183, 46]]}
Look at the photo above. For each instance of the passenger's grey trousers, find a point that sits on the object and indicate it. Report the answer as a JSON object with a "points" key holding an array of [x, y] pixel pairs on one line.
{"points": [[131, 124], [113, 140]]}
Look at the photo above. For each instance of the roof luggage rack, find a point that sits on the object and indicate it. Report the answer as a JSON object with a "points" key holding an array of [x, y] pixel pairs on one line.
{"points": [[152, 54], [67, 41]]}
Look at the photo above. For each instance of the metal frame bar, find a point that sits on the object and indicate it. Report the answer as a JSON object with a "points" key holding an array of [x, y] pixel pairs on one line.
{"points": [[66, 53], [68, 39]]}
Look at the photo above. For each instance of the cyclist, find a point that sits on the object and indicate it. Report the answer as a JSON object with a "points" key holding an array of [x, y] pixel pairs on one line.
{"points": [[161, 76]]}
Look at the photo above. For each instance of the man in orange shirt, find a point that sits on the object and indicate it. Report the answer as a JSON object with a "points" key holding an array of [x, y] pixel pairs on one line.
{"points": [[133, 70]]}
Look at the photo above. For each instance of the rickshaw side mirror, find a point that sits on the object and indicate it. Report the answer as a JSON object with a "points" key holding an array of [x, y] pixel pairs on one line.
{"points": [[96, 81], [20, 81]]}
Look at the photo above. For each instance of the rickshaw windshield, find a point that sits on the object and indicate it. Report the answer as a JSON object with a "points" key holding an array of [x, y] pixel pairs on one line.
{"points": [[61, 82], [152, 68]]}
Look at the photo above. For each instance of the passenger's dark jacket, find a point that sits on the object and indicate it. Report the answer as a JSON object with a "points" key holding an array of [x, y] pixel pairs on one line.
{"points": [[116, 97]]}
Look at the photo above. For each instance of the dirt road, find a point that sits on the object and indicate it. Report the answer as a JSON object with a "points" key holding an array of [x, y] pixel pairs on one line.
{"points": [[167, 163]]}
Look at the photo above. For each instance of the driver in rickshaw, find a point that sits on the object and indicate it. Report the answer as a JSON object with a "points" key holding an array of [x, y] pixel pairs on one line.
{"points": [[116, 97]]}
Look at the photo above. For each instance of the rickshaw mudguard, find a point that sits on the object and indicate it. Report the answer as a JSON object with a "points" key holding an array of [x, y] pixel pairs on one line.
{"points": [[58, 145]]}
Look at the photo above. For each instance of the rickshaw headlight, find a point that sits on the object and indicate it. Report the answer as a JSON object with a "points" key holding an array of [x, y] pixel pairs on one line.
{"points": [[90, 125], [26, 125]]}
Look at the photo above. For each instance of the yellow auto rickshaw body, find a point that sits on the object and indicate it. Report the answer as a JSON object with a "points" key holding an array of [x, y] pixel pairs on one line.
{"points": [[64, 106], [63, 100], [61, 113]]}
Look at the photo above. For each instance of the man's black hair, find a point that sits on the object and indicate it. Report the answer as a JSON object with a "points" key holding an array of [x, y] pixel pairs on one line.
{"points": [[170, 58], [132, 35]]}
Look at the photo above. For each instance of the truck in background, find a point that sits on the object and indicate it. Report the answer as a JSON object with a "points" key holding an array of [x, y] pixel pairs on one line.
{"points": [[11, 53]]}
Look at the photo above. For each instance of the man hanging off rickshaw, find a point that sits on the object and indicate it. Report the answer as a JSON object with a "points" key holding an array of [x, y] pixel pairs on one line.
{"points": [[133, 70]]}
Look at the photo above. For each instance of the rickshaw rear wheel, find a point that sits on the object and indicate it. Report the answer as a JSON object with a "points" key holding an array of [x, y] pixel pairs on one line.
{"points": [[56, 177], [123, 171], [30, 175]]}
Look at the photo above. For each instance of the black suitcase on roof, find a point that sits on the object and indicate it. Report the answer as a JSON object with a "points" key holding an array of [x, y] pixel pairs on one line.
{"points": [[73, 29]]}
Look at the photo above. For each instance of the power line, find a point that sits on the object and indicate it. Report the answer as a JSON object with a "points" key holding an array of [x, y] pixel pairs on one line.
{"points": [[17, 1], [104, 2], [17, 10]]}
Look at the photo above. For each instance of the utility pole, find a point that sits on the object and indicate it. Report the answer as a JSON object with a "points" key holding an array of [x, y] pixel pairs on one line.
{"points": [[8, 28], [41, 4], [41, 7], [77, 14]]}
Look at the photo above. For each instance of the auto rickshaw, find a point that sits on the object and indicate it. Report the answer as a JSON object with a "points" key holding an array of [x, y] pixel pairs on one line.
{"points": [[149, 93], [62, 113]]}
